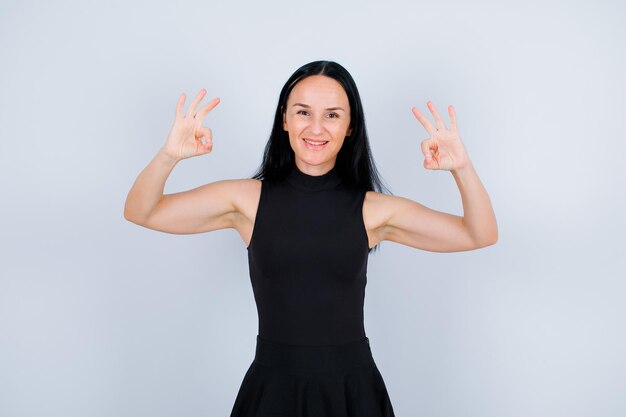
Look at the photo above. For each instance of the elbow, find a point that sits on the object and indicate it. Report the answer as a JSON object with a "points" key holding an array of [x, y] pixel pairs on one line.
{"points": [[485, 240], [135, 214], [494, 235], [481, 240], [488, 241], [128, 215], [492, 241]]}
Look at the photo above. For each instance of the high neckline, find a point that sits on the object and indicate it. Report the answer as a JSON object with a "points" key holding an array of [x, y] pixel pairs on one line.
{"points": [[311, 183]]}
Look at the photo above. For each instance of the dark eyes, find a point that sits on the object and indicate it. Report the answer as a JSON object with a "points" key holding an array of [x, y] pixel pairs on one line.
{"points": [[331, 115]]}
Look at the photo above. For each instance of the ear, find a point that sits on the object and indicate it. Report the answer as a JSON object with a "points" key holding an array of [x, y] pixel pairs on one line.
{"points": [[349, 132], [284, 122]]}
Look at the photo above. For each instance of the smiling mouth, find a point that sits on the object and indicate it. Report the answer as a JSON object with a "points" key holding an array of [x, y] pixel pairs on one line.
{"points": [[318, 143]]}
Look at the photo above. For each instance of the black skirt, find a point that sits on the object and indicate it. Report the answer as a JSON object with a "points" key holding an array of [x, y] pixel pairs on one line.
{"points": [[312, 381]]}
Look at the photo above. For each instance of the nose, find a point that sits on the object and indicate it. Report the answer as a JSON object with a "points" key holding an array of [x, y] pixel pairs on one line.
{"points": [[316, 126]]}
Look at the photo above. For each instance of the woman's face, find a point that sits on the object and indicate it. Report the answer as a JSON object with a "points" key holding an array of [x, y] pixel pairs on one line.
{"points": [[317, 118]]}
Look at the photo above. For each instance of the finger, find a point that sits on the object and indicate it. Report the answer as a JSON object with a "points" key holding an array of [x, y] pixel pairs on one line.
{"points": [[452, 114], [438, 121], [179, 106], [204, 134], [206, 109], [424, 121], [192, 109], [430, 164], [208, 143], [428, 148]]}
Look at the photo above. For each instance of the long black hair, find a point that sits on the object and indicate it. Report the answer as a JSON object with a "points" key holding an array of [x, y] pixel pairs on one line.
{"points": [[354, 163]]}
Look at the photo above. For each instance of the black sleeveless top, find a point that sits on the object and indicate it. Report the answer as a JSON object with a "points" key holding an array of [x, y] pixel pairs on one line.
{"points": [[308, 260]]}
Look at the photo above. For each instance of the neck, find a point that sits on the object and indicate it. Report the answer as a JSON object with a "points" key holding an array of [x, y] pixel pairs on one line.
{"points": [[310, 183], [314, 170]]}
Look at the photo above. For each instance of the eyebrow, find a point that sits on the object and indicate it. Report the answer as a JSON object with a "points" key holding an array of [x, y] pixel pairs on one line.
{"points": [[306, 106]]}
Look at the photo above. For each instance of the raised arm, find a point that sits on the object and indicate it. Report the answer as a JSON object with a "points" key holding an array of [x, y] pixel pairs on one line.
{"points": [[407, 222], [209, 207]]}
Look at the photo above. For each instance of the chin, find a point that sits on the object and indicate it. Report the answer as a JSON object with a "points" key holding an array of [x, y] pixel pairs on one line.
{"points": [[317, 161]]}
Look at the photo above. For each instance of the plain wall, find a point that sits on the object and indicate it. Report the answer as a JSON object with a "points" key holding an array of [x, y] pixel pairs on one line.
{"points": [[100, 317]]}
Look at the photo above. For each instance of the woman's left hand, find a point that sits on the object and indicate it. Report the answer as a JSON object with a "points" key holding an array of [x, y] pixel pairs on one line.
{"points": [[443, 149]]}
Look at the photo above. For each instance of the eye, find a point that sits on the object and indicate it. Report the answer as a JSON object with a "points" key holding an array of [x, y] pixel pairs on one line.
{"points": [[304, 112], [333, 115]]}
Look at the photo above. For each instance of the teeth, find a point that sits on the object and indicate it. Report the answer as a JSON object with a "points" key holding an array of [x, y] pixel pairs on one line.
{"points": [[315, 143]]}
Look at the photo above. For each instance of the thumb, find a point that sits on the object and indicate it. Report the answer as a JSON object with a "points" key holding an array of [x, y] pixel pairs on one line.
{"points": [[206, 134], [429, 163], [428, 146]]}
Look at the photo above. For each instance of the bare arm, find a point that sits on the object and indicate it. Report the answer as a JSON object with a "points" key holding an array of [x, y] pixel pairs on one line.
{"points": [[147, 191], [202, 209], [478, 218], [205, 208], [407, 222]]}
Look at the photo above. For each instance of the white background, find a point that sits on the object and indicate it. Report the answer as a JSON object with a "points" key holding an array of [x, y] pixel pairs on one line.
{"points": [[101, 317]]}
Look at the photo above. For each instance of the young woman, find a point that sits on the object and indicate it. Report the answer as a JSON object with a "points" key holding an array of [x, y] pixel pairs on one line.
{"points": [[309, 218]]}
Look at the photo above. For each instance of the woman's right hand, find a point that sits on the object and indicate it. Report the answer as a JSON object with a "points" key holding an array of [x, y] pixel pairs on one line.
{"points": [[187, 133]]}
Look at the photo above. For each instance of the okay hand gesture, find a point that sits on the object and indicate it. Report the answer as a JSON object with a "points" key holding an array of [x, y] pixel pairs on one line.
{"points": [[187, 134], [443, 149]]}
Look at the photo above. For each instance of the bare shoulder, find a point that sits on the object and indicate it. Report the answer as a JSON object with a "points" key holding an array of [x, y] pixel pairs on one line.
{"points": [[239, 185], [241, 193], [379, 202], [383, 208], [245, 195], [376, 208], [376, 212], [380, 212]]}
